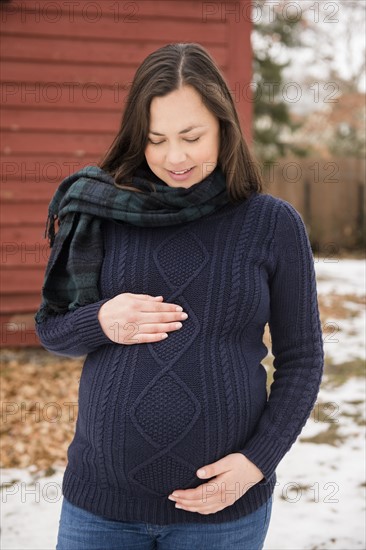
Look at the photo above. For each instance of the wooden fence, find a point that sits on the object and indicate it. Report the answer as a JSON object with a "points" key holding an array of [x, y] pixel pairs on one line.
{"points": [[330, 196]]}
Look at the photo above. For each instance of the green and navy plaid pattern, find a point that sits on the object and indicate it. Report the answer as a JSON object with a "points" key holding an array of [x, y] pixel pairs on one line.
{"points": [[80, 203]]}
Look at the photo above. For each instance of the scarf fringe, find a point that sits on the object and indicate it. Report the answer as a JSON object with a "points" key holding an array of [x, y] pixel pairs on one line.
{"points": [[50, 228]]}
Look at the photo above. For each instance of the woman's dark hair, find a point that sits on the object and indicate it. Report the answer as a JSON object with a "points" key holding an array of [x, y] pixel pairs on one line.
{"points": [[166, 70]]}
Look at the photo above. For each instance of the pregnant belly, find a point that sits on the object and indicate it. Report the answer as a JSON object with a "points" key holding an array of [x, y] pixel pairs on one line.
{"points": [[148, 435], [162, 432]]}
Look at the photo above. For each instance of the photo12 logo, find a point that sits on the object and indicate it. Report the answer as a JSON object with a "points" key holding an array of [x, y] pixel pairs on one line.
{"points": [[72, 12], [266, 12]]}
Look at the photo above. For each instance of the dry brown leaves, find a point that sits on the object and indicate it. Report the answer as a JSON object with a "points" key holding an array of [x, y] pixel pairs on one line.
{"points": [[39, 393]]}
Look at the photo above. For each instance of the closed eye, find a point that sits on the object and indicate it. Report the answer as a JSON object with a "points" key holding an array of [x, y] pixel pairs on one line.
{"points": [[159, 142]]}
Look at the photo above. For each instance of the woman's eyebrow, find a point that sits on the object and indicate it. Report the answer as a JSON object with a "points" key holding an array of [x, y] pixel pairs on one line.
{"points": [[185, 131]]}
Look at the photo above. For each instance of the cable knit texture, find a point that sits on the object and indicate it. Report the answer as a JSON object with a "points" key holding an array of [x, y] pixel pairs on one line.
{"points": [[151, 414]]}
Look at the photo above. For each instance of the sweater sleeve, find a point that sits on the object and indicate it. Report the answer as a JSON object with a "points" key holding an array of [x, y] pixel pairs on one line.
{"points": [[297, 344], [74, 333]]}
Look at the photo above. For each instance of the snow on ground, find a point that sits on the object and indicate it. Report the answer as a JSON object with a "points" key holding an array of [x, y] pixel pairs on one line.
{"points": [[319, 500], [345, 278], [320, 497], [341, 276], [30, 509]]}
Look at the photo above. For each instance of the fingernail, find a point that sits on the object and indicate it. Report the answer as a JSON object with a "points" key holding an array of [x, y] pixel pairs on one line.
{"points": [[171, 498], [201, 472], [177, 506]]}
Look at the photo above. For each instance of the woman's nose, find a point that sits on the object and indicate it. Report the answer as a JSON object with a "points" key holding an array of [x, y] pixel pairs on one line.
{"points": [[175, 155]]}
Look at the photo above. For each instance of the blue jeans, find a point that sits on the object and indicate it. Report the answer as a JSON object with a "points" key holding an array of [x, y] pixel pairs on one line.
{"points": [[82, 530]]}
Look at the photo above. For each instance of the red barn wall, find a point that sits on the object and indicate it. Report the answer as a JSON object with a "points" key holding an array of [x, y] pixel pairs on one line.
{"points": [[65, 69]]}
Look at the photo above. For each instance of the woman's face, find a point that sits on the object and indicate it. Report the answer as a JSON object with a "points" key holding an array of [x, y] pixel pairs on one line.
{"points": [[183, 135]]}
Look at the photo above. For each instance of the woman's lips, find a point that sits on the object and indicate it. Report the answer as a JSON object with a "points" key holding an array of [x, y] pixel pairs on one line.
{"points": [[181, 177]]}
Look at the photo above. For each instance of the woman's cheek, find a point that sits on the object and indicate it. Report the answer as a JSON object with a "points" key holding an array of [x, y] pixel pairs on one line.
{"points": [[152, 156], [209, 151]]}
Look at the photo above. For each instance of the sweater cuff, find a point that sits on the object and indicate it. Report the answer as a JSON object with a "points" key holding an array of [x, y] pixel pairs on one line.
{"points": [[88, 326], [266, 454]]}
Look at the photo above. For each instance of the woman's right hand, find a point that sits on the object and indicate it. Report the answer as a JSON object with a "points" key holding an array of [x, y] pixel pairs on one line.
{"points": [[138, 318]]}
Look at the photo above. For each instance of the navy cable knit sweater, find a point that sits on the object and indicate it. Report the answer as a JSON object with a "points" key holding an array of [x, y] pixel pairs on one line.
{"points": [[151, 414]]}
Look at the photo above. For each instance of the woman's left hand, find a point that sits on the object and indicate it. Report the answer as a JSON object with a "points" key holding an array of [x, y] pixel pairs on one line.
{"points": [[235, 474]]}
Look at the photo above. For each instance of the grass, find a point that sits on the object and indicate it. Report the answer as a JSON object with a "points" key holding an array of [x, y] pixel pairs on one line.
{"points": [[339, 306], [330, 436], [356, 417], [336, 374]]}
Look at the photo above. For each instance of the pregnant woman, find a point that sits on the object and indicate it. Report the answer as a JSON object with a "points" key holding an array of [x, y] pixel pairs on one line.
{"points": [[168, 262]]}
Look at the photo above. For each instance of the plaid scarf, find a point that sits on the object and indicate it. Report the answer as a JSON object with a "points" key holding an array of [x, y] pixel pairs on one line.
{"points": [[79, 204]]}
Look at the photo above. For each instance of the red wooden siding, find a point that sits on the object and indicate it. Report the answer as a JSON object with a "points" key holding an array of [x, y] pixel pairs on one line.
{"points": [[64, 80]]}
